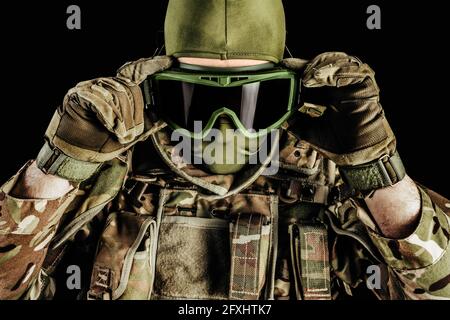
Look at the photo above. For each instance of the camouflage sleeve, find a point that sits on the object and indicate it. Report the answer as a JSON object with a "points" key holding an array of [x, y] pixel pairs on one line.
{"points": [[26, 228], [422, 260]]}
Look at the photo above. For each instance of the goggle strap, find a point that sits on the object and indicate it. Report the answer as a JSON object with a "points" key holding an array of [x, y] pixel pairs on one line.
{"points": [[258, 67]]}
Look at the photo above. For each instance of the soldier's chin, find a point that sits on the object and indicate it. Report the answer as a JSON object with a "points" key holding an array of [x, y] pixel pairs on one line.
{"points": [[224, 168]]}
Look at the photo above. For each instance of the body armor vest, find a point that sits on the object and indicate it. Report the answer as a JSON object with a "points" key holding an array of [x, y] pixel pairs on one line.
{"points": [[174, 232], [169, 238]]}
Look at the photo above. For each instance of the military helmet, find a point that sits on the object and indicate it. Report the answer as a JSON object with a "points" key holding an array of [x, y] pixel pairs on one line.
{"points": [[227, 98], [226, 29]]}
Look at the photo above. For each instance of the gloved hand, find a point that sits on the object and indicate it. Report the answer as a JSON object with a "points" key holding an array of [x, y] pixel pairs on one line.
{"points": [[352, 131], [98, 120]]}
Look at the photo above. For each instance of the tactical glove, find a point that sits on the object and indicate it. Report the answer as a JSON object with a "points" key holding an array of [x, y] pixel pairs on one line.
{"points": [[98, 120], [349, 126]]}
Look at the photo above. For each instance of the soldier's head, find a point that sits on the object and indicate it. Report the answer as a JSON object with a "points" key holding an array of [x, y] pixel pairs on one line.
{"points": [[227, 78]]}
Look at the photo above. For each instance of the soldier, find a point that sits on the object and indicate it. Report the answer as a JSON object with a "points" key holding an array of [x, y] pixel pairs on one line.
{"points": [[111, 189]]}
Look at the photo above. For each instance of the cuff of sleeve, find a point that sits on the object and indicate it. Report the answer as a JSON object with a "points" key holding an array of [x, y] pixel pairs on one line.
{"points": [[424, 247], [26, 228], [386, 171], [52, 161], [25, 216]]}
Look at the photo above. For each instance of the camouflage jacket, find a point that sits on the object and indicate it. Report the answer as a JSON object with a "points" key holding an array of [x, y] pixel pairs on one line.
{"points": [[147, 227]]}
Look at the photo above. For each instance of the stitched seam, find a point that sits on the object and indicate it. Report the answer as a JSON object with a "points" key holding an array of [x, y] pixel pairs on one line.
{"points": [[226, 24]]}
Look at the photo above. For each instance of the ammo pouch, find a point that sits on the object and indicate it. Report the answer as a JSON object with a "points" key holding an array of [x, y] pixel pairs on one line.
{"points": [[215, 249], [123, 268], [189, 247], [310, 260]]}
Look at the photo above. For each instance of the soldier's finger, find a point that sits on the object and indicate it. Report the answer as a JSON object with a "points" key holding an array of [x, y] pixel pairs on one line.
{"points": [[119, 108], [339, 74], [139, 70], [294, 64], [327, 58]]}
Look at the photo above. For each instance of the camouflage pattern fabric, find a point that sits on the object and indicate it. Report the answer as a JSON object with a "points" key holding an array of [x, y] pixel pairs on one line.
{"points": [[34, 232], [310, 261], [123, 267], [108, 114], [91, 197], [315, 174], [421, 260], [194, 253], [416, 267], [412, 268], [26, 228], [246, 245], [346, 83], [193, 248]]}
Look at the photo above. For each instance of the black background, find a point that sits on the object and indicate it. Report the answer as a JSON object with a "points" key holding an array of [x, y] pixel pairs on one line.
{"points": [[42, 59]]}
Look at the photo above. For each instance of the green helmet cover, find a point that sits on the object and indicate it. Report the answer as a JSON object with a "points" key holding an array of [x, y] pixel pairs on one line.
{"points": [[225, 29]]}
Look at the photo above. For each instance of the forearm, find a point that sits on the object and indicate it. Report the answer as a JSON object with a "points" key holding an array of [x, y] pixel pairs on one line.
{"points": [[31, 206], [35, 184], [413, 236], [396, 209]]}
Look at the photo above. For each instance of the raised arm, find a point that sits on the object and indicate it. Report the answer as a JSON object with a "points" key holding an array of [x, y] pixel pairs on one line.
{"points": [[98, 121]]}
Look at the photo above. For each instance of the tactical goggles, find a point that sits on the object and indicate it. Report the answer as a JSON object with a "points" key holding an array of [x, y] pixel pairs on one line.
{"points": [[257, 99]]}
